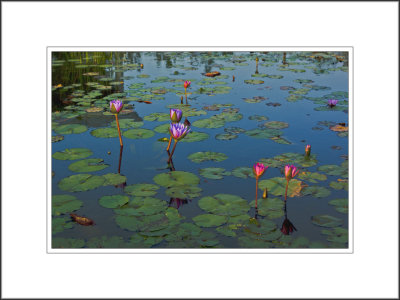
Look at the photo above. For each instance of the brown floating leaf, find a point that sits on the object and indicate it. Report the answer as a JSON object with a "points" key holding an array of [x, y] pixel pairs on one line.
{"points": [[339, 128], [82, 220], [212, 74], [144, 101]]}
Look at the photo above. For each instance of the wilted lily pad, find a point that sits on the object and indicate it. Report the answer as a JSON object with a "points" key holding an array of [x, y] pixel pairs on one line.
{"points": [[224, 204], [81, 182], [326, 221], [62, 204], [105, 132], [184, 191], [88, 165], [312, 176], [213, 173], [70, 129], [277, 185], [141, 189], [243, 172], [209, 220], [176, 178], [72, 154], [199, 157], [139, 133], [113, 201], [341, 205]]}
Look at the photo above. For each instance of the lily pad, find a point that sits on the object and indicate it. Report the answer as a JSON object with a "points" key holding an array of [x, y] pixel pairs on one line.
{"points": [[213, 173], [199, 157], [339, 185], [176, 178], [326, 221], [81, 182], [266, 133], [234, 130], [183, 191], [142, 189], [254, 81], [62, 204], [337, 235], [105, 132], [88, 165], [276, 125], [72, 154], [70, 129], [164, 128], [226, 136], [142, 206], [127, 123], [139, 133], [316, 191], [243, 172], [258, 118], [209, 123], [106, 242], [224, 204], [335, 170], [280, 140], [313, 177], [57, 138], [157, 117], [209, 220], [341, 205], [195, 136], [60, 224], [113, 201], [113, 179], [67, 243], [297, 159], [271, 208], [277, 185]]}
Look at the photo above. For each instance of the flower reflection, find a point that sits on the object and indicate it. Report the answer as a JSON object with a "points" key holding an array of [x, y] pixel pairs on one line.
{"points": [[177, 202], [287, 226]]}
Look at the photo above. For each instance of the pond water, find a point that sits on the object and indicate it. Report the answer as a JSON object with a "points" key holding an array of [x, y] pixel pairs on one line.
{"points": [[263, 107]]}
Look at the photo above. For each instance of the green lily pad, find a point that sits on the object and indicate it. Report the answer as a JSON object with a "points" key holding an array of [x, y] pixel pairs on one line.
{"points": [[140, 241], [259, 75], [199, 157], [113, 201], [183, 191], [70, 129], [214, 90], [339, 185], [138, 133], [67, 243], [62, 204], [72, 154], [326, 221], [88, 165], [226, 136], [266, 133], [253, 81], [105, 132], [143, 76], [337, 235], [301, 81], [163, 128], [294, 98], [258, 118], [316, 191], [209, 123], [213, 173], [60, 224], [335, 170], [176, 178], [297, 159], [141, 189], [341, 205], [243, 172], [280, 140], [271, 162], [277, 185], [127, 123], [81, 182], [275, 76], [271, 208], [252, 100], [234, 130], [57, 138], [224, 204], [335, 108], [194, 136], [227, 230], [276, 125], [157, 117], [142, 206], [313, 177], [209, 220], [115, 242], [113, 179], [262, 229]]}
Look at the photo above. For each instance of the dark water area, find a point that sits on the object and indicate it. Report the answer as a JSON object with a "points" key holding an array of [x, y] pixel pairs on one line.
{"points": [[84, 83]]}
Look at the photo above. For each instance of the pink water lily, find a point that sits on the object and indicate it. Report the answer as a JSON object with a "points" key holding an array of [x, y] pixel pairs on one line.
{"points": [[175, 114], [308, 150], [332, 102], [186, 84], [116, 106], [259, 169], [290, 172], [178, 131]]}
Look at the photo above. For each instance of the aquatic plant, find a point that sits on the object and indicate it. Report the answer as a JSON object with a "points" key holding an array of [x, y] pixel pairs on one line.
{"points": [[258, 170], [176, 116], [290, 172], [308, 150], [178, 131], [115, 107], [332, 102]]}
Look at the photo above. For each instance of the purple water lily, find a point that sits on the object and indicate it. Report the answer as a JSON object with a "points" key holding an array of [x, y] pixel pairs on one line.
{"points": [[116, 106], [178, 131], [332, 102], [175, 114]]}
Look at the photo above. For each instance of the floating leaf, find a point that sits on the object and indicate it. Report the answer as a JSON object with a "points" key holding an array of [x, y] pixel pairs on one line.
{"points": [[113, 201], [141, 189], [176, 178], [183, 191], [194, 136], [243, 172], [209, 123], [82, 220], [81, 182], [227, 230], [270, 207], [335, 170], [277, 185], [70, 129], [339, 128], [226, 136], [326, 221], [337, 235], [105, 133], [67, 243], [341, 205], [157, 117], [341, 185], [266, 133], [164, 128], [276, 125], [258, 118], [115, 242], [127, 123], [224, 204], [113, 179], [209, 220], [213, 173], [199, 157], [88, 165], [312, 176], [297, 159], [57, 138], [138, 133], [280, 140], [253, 81], [234, 130], [59, 224], [72, 154], [62, 204], [142, 206], [316, 191]]}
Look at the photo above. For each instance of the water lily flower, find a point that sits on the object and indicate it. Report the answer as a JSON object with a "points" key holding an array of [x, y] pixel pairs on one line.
{"points": [[178, 131], [175, 114], [332, 102], [308, 150], [290, 172], [186, 84], [287, 227], [116, 106], [259, 169]]}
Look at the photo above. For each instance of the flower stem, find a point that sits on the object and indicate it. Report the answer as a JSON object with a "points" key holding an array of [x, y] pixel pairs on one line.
{"points": [[120, 159], [287, 185], [169, 143], [256, 190], [119, 131], [173, 149]]}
